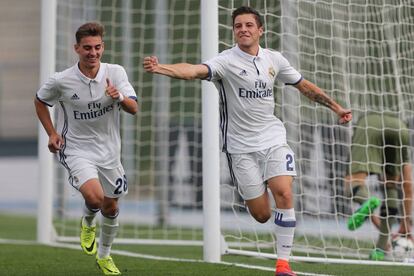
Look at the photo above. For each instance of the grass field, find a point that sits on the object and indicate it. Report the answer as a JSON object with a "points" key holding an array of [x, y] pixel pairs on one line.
{"points": [[20, 255]]}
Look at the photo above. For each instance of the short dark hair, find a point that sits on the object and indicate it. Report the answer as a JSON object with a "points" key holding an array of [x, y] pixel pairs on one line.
{"points": [[247, 10], [89, 29]]}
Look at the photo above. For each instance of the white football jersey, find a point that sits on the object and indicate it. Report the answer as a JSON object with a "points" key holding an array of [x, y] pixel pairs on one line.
{"points": [[245, 85], [87, 119]]}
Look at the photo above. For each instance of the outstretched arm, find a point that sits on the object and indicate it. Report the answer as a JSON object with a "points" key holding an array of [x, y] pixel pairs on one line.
{"points": [[316, 94], [183, 71]]}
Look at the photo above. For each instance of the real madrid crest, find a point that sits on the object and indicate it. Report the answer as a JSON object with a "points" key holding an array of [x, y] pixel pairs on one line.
{"points": [[272, 72]]}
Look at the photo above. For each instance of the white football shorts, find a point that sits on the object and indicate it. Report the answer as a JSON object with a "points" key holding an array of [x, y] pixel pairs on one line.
{"points": [[113, 181], [251, 170]]}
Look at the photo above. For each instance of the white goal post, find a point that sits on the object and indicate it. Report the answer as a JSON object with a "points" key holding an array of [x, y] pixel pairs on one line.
{"points": [[210, 138], [47, 68], [180, 192]]}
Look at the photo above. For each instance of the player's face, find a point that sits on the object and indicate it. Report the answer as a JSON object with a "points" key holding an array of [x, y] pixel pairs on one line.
{"points": [[246, 31], [89, 50]]}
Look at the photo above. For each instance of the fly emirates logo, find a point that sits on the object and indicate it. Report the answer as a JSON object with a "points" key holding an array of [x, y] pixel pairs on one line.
{"points": [[260, 91], [95, 110]]}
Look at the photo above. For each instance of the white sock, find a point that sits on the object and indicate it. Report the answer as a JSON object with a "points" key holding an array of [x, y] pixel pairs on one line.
{"points": [[285, 223], [109, 230], [89, 216]]}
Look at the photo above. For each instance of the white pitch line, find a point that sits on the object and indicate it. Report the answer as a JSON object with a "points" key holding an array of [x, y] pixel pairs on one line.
{"points": [[151, 257]]}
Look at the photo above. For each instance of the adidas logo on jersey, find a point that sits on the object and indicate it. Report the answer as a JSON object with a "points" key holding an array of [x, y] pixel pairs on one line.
{"points": [[75, 97], [243, 73]]}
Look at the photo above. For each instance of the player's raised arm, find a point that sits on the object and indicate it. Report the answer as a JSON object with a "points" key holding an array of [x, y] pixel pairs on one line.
{"points": [[185, 71], [127, 104], [316, 94]]}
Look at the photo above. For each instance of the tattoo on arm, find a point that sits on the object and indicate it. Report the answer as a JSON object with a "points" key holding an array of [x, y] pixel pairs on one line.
{"points": [[317, 96]]}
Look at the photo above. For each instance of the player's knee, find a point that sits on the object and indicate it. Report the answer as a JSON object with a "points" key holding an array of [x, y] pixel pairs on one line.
{"points": [[93, 194], [110, 212], [262, 217], [94, 201], [286, 197], [110, 208]]}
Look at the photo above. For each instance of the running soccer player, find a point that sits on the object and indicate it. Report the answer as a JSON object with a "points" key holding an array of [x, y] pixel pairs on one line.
{"points": [[86, 139], [253, 138]]}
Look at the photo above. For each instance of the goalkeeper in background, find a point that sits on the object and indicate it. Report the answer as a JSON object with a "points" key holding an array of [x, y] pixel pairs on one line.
{"points": [[254, 139], [89, 97], [380, 145]]}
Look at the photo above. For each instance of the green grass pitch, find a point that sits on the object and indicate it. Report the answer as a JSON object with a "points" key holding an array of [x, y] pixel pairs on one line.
{"points": [[34, 259]]}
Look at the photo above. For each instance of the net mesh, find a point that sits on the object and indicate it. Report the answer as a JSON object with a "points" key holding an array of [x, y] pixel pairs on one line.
{"points": [[360, 52]]}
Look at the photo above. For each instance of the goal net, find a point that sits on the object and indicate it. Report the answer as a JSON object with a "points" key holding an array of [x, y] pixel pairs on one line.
{"points": [[360, 52]]}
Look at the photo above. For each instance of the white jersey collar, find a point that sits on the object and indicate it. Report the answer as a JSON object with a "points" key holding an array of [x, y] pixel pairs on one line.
{"points": [[99, 77], [246, 55]]}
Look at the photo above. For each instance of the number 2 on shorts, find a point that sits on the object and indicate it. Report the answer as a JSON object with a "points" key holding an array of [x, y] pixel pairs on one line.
{"points": [[121, 185], [289, 163]]}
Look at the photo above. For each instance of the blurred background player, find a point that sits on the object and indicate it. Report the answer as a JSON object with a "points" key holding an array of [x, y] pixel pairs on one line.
{"points": [[90, 95], [253, 138], [380, 145]]}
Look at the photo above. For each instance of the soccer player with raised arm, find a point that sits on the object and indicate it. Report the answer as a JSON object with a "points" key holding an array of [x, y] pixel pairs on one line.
{"points": [[89, 97], [253, 138]]}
